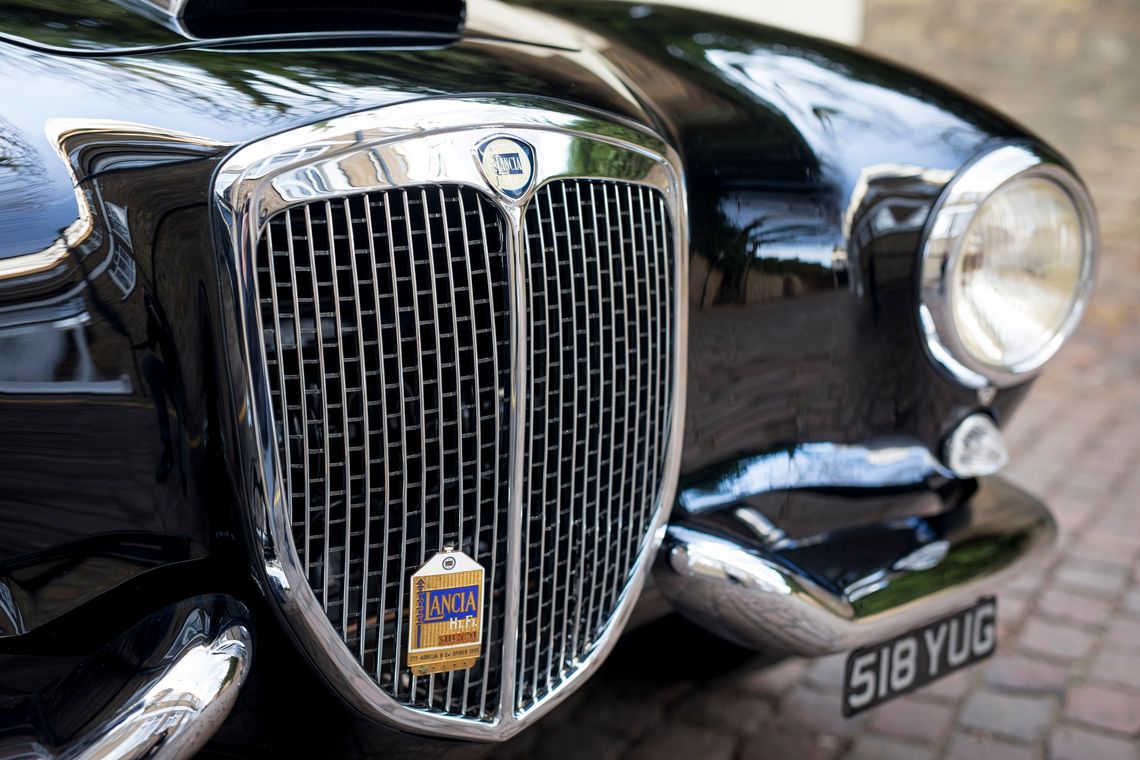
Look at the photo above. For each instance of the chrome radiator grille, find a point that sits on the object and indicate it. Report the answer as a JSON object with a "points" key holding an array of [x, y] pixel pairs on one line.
{"points": [[386, 320], [600, 338], [387, 338]]}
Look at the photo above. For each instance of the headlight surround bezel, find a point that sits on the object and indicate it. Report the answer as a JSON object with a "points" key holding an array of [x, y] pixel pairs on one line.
{"points": [[942, 244]]}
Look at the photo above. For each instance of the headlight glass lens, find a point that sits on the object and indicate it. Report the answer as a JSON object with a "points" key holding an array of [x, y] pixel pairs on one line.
{"points": [[1019, 274]]}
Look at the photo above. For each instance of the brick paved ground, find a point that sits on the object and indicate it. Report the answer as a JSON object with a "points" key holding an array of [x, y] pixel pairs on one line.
{"points": [[1066, 681]]}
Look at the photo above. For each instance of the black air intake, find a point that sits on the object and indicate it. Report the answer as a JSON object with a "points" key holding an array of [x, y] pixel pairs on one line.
{"points": [[215, 19]]}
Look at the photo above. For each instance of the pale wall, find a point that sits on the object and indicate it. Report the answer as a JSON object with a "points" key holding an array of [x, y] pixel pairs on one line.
{"points": [[838, 19]]}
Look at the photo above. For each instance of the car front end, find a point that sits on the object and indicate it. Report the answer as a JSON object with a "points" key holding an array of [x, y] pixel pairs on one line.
{"points": [[424, 353]]}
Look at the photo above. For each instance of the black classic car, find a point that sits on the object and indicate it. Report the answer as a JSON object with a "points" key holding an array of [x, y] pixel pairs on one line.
{"points": [[369, 367]]}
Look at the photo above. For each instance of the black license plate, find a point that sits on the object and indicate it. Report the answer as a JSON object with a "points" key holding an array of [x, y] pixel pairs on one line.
{"points": [[877, 673]]}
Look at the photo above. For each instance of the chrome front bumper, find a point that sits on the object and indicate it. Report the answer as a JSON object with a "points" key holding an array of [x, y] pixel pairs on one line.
{"points": [[158, 691], [846, 590]]}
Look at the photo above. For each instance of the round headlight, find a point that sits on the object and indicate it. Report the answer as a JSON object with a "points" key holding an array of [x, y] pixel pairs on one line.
{"points": [[1007, 266]]}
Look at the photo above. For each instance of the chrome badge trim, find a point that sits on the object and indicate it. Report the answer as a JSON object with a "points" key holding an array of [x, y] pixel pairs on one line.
{"points": [[417, 142], [508, 165]]}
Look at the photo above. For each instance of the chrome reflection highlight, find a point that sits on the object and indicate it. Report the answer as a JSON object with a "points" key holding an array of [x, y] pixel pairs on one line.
{"points": [[93, 146], [173, 712], [875, 464], [1007, 266], [45, 349], [975, 448]]}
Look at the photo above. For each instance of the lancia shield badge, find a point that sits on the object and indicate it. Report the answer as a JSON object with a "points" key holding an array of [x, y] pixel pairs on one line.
{"points": [[446, 629], [508, 165]]}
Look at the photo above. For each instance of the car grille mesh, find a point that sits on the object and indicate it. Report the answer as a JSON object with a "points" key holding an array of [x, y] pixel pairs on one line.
{"points": [[386, 326], [397, 397], [600, 343]]}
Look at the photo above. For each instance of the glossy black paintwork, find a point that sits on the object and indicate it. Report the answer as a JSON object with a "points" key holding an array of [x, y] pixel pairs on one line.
{"points": [[128, 460], [105, 453], [810, 171]]}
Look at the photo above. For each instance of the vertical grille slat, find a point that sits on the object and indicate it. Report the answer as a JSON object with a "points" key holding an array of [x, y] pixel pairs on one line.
{"points": [[381, 375], [539, 396], [478, 439], [318, 329], [282, 423], [366, 494], [457, 375], [499, 427], [397, 320], [594, 308], [630, 261], [662, 355], [303, 402], [342, 542], [650, 463], [386, 321], [576, 525], [604, 255]]}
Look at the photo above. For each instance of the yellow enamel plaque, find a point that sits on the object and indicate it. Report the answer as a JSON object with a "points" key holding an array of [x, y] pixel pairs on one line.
{"points": [[446, 629]]}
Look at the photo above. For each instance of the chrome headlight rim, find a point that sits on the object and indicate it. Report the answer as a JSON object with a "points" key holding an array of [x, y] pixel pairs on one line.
{"points": [[942, 245]]}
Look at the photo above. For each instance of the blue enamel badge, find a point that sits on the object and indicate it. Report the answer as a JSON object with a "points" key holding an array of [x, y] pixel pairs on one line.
{"points": [[508, 165], [446, 625]]}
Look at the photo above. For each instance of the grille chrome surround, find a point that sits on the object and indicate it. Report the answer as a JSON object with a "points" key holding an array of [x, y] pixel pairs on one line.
{"points": [[393, 153]]}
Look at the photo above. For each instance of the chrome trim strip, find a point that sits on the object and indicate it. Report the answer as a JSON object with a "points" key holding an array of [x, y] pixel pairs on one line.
{"points": [[942, 241], [415, 143], [518, 283], [498, 430], [166, 11], [757, 597]]}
